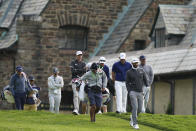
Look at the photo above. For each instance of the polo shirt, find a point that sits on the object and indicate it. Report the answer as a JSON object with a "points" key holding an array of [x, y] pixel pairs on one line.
{"points": [[120, 70], [105, 68]]}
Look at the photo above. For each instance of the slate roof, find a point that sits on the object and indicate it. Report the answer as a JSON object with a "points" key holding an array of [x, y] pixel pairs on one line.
{"points": [[176, 17], [9, 11], [190, 36], [176, 59], [33, 6], [172, 59], [122, 31], [193, 2]]}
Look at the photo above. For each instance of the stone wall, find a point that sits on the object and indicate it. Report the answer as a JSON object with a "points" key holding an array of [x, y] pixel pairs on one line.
{"points": [[96, 15], [6, 68], [144, 26], [39, 37]]}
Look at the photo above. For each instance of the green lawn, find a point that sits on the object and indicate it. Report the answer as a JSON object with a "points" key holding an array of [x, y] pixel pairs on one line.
{"points": [[164, 122], [45, 121]]}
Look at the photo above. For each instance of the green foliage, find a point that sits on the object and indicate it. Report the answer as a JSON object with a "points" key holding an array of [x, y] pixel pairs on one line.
{"points": [[46, 121], [169, 109]]}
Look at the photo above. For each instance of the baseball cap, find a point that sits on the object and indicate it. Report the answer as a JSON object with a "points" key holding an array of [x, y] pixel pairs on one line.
{"points": [[79, 53], [135, 60], [31, 78], [55, 70], [142, 57], [122, 56], [94, 66], [19, 68], [102, 60]]}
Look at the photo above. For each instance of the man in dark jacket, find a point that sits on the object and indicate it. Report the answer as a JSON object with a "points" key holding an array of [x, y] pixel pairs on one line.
{"points": [[78, 68], [135, 79]]}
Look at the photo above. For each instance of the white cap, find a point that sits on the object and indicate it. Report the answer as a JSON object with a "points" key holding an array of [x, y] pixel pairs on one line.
{"points": [[135, 60], [122, 56], [79, 53], [102, 60]]}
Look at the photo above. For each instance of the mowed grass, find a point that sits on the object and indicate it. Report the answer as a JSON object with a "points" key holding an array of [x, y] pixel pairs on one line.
{"points": [[46, 121], [164, 122]]}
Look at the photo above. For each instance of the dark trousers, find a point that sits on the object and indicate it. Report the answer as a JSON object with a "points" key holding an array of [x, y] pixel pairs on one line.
{"points": [[20, 99], [95, 98]]}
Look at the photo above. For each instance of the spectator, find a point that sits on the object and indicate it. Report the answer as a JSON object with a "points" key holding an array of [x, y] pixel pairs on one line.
{"points": [[146, 89], [32, 101], [19, 85], [119, 70], [105, 68], [55, 83]]}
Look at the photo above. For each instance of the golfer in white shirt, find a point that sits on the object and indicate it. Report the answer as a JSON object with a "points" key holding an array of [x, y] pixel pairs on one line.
{"points": [[55, 83]]}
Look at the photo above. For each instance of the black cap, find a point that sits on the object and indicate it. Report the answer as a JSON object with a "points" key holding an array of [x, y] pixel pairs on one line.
{"points": [[94, 66], [31, 78]]}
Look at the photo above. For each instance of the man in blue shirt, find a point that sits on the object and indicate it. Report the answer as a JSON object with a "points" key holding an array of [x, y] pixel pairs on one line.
{"points": [[18, 84], [119, 70]]}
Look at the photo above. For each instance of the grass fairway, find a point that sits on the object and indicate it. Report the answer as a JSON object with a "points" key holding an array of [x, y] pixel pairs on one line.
{"points": [[45, 121], [164, 122]]}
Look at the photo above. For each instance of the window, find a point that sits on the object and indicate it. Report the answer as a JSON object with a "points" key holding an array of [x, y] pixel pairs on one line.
{"points": [[139, 44], [73, 37], [160, 37]]}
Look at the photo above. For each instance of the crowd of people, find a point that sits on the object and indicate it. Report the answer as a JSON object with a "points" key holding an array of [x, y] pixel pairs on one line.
{"points": [[91, 83]]}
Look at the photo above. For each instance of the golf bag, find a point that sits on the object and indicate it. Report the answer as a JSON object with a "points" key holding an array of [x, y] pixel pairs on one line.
{"points": [[6, 94], [105, 97]]}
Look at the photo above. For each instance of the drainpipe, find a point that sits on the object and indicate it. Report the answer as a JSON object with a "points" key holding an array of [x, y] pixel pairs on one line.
{"points": [[153, 96], [194, 96]]}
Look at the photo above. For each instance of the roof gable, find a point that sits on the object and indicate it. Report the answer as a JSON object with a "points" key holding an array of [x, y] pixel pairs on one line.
{"points": [[176, 17], [8, 14]]}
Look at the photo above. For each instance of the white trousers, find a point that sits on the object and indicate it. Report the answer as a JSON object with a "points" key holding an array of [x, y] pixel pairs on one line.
{"points": [[146, 91], [54, 100], [121, 96], [76, 99]]}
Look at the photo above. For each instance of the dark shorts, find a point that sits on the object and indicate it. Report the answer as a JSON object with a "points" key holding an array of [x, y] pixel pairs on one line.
{"points": [[95, 98]]}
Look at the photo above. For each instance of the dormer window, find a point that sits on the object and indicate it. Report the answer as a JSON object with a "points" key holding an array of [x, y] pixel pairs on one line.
{"points": [[160, 37]]}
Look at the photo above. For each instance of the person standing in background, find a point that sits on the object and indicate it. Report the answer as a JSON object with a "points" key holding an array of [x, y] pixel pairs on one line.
{"points": [[78, 68], [146, 89], [55, 83], [19, 86], [119, 70]]}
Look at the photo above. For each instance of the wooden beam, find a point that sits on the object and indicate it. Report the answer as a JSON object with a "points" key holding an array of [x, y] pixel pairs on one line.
{"points": [[194, 95], [153, 97], [172, 96]]}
